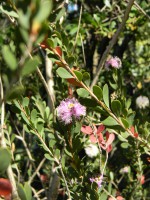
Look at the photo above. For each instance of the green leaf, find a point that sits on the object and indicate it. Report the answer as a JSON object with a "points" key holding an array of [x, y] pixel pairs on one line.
{"points": [[78, 75], [106, 95], [48, 157], [122, 139], [28, 191], [8, 11], [131, 118], [52, 143], [63, 73], [88, 102], [86, 78], [109, 121], [125, 122], [5, 159], [125, 145], [113, 85], [25, 101], [40, 128], [24, 21], [15, 92], [116, 107], [44, 11], [82, 92], [25, 118], [21, 192], [98, 92], [60, 14], [34, 116], [9, 58], [57, 153], [77, 128], [128, 103], [29, 67], [125, 134], [70, 60], [50, 42]]}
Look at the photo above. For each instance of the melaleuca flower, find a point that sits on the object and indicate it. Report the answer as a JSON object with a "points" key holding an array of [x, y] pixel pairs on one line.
{"points": [[125, 170], [113, 62], [97, 180], [142, 102], [70, 109], [91, 150]]}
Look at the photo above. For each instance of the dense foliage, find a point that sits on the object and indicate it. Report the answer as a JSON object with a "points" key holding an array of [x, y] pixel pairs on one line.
{"points": [[74, 96]]}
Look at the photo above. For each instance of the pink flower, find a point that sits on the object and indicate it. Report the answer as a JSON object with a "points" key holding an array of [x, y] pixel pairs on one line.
{"points": [[113, 62], [125, 169], [97, 180], [105, 144], [70, 109]]}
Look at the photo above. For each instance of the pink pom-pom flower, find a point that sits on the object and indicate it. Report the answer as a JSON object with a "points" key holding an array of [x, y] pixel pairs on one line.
{"points": [[70, 109], [113, 62]]}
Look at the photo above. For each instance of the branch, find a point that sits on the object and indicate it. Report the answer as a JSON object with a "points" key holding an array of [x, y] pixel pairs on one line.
{"points": [[66, 66], [3, 144], [112, 42], [52, 107], [36, 171]]}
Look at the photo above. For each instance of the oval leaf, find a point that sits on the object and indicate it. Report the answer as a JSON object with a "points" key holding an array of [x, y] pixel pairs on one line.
{"points": [[125, 145], [125, 123], [106, 95], [63, 73], [86, 78], [44, 11], [9, 58], [98, 92], [116, 107], [5, 159], [82, 92], [29, 67], [109, 121], [78, 75]]}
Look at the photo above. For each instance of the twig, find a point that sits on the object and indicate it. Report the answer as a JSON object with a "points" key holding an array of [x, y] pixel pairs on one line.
{"points": [[79, 23], [112, 42], [52, 107], [3, 144], [26, 147], [140, 9], [36, 194], [83, 50], [105, 163], [109, 194], [50, 80], [36, 171]]}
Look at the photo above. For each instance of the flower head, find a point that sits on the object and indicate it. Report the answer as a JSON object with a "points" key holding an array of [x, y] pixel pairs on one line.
{"points": [[125, 169], [142, 102], [113, 62], [70, 109], [91, 150], [98, 180]]}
